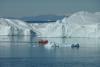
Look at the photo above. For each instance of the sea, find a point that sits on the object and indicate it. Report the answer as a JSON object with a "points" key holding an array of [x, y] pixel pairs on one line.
{"points": [[23, 51]]}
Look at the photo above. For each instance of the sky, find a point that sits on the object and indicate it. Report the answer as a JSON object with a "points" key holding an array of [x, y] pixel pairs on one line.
{"points": [[19, 8]]}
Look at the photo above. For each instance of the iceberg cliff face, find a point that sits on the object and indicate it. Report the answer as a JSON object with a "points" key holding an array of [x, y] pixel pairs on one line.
{"points": [[83, 24], [51, 30], [80, 24], [13, 27], [4, 30]]}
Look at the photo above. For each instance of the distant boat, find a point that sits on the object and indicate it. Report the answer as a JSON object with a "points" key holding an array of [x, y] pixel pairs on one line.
{"points": [[43, 42]]}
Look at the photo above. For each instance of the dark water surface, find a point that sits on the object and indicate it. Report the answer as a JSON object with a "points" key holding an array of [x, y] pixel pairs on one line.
{"points": [[18, 51]]}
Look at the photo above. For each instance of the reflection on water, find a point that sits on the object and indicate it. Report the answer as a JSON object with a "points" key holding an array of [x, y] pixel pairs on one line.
{"points": [[18, 51]]}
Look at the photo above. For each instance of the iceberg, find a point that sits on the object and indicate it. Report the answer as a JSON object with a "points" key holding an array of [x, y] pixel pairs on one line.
{"points": [[83, 24], [50, 30], [80, 24], [13, 27]]}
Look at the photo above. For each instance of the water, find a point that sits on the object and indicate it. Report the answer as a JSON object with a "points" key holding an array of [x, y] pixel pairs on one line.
{"points": [[18, 51]]}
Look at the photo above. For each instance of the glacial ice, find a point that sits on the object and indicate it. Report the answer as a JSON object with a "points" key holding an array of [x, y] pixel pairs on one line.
{"points": [[80, 24], [13, 27], [83, 24]]}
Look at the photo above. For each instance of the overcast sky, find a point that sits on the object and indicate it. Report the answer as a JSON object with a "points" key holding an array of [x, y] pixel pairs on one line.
{"points": [[20, 8]]}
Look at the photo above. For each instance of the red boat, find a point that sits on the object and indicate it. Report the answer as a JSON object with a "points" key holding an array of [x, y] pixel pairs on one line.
{"points": [[43, 42]]}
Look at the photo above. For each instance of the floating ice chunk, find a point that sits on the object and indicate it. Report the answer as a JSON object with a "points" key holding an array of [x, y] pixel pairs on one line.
{"points": [[49, 45]]}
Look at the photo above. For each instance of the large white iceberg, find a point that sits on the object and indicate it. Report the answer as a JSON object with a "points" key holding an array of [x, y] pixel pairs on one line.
{"points": [[80, 24], [83, 24], [13, 27]]}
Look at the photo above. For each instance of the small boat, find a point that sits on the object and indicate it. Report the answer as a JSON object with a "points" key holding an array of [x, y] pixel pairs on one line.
{"points": [[43, 42]]}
